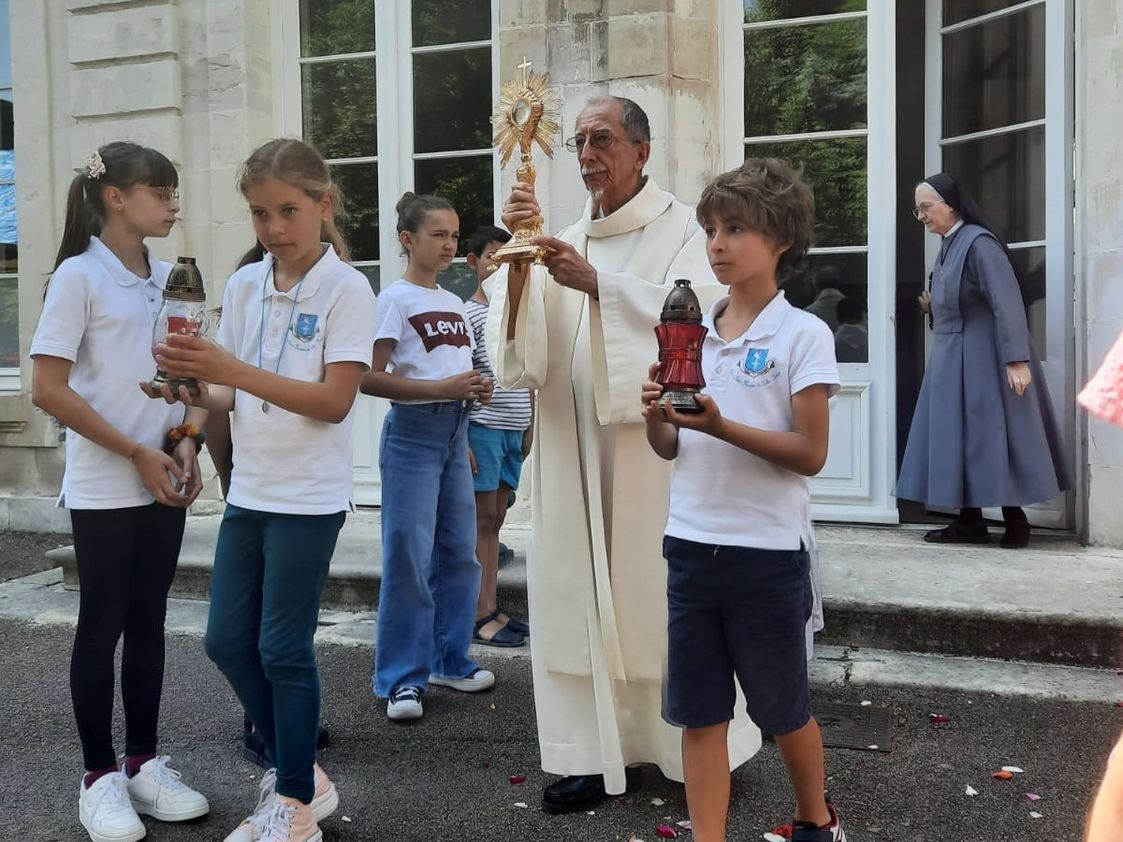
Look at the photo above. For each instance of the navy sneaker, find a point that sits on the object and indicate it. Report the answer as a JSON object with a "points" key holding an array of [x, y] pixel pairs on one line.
{"points": [[804, 832]]}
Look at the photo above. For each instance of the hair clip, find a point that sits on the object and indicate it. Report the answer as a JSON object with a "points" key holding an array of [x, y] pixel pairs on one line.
{"points": [[95, 167]]}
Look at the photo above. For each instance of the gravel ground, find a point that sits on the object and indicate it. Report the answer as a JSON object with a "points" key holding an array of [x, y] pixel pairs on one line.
{"points": [[21, 553], [446, 777]]}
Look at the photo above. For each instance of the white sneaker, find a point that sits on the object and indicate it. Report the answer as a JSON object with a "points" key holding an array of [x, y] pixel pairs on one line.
{"points": [[324, 803], [405, 703], [106, 813], [156, 790], [479, 680], [291, 821]]}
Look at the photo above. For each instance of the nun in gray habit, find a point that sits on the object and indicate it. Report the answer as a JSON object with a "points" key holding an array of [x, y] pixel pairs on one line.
{"points": [[983, 433]]}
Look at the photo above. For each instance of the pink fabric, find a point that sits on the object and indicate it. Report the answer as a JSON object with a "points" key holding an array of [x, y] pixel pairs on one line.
{"points": [[1103, 396]]}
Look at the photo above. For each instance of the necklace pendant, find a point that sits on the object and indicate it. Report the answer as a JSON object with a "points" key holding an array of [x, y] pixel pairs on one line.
{"points": [[265, 406]]}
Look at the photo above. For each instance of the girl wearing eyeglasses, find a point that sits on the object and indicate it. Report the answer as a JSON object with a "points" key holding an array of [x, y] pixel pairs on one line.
{"points": [[127, 482], [983, 433]]}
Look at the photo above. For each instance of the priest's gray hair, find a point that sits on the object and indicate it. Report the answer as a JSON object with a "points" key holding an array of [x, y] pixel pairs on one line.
{"points": [[632, 116]]}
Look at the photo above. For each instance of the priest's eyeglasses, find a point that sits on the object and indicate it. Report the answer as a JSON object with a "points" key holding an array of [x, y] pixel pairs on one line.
{"points": [[165, 194], [601, 139]]}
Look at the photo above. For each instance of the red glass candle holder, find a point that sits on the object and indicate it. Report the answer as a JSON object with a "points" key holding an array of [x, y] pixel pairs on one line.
{"points": [[680, 333]]}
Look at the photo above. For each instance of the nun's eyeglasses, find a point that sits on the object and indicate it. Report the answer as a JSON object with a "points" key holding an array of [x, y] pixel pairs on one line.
{"points": [[923, 208]]}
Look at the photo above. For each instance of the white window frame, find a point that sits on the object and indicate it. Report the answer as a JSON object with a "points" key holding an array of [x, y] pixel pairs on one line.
{"points": [[1058, 354], [10, 375], [871, 384], [393, 56]]}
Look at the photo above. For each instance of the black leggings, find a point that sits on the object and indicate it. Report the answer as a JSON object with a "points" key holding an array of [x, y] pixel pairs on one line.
{"points": [[126, 561]]}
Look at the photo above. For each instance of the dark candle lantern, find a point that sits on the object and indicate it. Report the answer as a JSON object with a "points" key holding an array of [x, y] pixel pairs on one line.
{"points": [[183, 312], [680, 333]]}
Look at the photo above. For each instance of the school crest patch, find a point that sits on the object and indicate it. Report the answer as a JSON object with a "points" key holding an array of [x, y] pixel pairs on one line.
{"points": [[757, 362], [305, 327], [758, 368]]}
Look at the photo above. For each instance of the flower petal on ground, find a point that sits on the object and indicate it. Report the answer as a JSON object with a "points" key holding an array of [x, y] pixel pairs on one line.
{"points": [[658, 802], [1013, 770], [1003, 775], [517, 779], [1033, 796], [665, 831], [971, 790]]}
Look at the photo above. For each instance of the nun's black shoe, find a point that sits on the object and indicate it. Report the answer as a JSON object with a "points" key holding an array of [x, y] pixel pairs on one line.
{"points": [[583, 792], [958, 532], [1016, 536]]}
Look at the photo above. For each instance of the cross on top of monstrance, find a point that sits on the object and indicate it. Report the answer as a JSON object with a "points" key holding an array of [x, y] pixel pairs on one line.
{"points": [[524, 67], [529, 111]]}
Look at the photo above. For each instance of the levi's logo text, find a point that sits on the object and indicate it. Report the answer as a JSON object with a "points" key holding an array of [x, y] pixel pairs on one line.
{"points": [[436, 329]]}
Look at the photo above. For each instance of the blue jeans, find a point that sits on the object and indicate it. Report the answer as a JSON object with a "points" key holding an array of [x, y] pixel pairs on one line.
{"points": [[269, 574], [430, 576]]}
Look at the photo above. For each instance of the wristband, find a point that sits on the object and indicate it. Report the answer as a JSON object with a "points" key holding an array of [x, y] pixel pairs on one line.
{"points": [[184, 431]]}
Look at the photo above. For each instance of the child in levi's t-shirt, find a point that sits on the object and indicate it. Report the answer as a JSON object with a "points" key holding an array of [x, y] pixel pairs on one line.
{"points": [[430, 576], [739, 593]]}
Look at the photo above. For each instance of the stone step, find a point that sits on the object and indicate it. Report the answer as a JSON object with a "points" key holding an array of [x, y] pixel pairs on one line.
{"points": [[884, 587]]}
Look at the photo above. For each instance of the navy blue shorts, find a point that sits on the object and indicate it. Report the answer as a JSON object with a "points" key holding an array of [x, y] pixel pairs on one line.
{"points": [[736, 611]]}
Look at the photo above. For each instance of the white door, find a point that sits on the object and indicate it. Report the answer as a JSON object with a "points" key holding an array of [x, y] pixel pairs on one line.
{"points": [[818, 89], [998, 118]]}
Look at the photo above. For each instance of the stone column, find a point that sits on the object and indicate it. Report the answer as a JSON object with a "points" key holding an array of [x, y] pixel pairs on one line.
{"points": [[661, 53], [1099, 244]]}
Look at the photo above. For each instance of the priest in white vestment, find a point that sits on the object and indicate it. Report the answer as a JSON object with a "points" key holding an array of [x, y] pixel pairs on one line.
{"points": [[580, 330]]}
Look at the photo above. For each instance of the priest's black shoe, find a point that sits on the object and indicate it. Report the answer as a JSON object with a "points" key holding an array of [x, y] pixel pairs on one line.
{"points": [[582, 792], [959, 532]]}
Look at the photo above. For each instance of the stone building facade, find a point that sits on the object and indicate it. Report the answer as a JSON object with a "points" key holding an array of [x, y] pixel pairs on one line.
{"points": [[1016, 98]]}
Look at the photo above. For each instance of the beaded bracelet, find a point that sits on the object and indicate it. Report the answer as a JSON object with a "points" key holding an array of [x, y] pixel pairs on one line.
{"points": [[184, 431]]}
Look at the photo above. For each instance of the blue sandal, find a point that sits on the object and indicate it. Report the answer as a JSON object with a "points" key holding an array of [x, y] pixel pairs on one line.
{"points": [[505, 638]]}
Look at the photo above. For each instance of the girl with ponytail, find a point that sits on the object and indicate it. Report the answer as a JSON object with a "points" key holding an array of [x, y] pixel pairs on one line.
{"points": [[127, 484], [296, 337]]}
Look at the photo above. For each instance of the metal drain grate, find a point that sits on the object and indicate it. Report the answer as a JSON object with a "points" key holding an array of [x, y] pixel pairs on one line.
{"points": [[867, 728]]}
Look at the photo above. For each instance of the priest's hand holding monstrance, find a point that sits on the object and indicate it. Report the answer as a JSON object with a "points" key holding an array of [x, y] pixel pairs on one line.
{"points": [[528, 112]]}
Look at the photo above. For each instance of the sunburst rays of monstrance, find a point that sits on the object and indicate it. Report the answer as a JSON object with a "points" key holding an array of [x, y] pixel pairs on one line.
{"points": [[528, 112]]}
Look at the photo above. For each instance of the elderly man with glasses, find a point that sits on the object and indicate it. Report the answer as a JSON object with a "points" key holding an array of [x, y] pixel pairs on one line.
{"points": [[580, 330]]}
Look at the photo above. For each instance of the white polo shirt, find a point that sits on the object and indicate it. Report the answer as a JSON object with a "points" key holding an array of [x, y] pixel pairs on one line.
{"points": [[721, 494], [284, 462], [100, 316], [431, 328]]}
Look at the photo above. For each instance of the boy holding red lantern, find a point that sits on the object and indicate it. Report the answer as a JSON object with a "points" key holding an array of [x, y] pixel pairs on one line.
{"points": [[740, 588]]}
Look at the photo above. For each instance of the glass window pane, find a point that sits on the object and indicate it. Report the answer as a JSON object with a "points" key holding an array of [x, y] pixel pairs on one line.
{"points": [[331, 27], [956, 11], [836, 171], [374, 276], [805, 78], [5, 44], [450, 21], [758, 10], [7, 123], [1006, 174], [466, 183], [458, 278], [1031, 263], [834, 288], [452, 100], [359, 184], [994, 74], [9, 321], [339, 108]]}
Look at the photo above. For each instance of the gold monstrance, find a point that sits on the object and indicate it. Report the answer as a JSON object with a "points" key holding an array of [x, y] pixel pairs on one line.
{"points": [[529, 110]]}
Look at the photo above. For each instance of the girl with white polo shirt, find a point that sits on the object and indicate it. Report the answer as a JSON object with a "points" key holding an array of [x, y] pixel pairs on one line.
{"points": [[126, 483], [295, 340], [430, 576]]}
